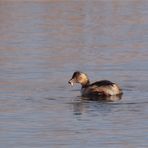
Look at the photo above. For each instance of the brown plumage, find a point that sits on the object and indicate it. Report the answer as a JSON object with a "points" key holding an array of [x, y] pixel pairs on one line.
{"points": [[103, 88]]}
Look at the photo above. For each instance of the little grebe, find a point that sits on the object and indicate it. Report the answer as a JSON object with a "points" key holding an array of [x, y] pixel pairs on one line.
{"points": [[103, 88]]}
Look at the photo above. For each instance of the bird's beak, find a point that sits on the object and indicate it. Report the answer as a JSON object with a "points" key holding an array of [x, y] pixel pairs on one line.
{"points": [[70, 82]]}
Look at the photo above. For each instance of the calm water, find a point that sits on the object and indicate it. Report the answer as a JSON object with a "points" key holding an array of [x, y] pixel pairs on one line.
{"points": [[43, 43]]}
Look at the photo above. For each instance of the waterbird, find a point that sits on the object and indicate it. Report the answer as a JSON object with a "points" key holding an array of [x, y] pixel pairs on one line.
{"points": [[104, 89]]}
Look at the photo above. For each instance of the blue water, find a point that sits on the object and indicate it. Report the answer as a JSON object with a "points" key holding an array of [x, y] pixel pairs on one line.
{"points": [[43, 43]]}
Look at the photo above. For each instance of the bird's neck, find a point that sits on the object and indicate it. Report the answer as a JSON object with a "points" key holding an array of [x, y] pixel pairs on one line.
{"points": [[85, 84]]}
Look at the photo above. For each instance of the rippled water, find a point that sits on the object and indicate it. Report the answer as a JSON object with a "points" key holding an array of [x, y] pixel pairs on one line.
{"points": [[43, 43]]}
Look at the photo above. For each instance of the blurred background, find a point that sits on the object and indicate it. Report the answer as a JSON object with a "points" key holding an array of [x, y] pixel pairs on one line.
{"points": [[42, 43]]}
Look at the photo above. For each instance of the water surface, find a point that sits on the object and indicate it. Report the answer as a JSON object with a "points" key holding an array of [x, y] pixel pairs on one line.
{"points": [[43, 43]]}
